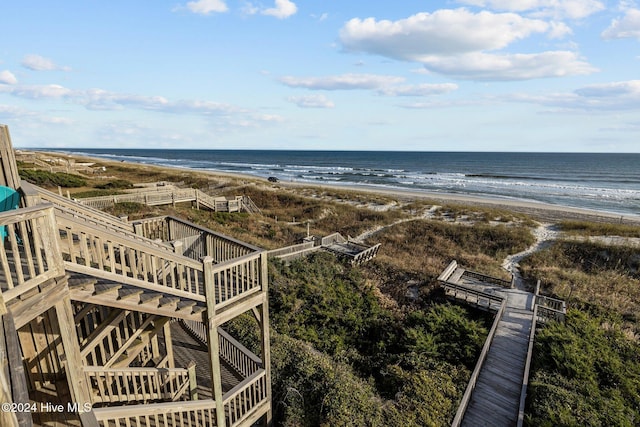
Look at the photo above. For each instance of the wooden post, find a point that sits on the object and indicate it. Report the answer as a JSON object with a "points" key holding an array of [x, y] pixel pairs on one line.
{"points": [[137, 228], [212, 339], [19, 389], [7, 418], [265, 335], [168, 345], [78, 387], [9, 176], [193, 383]]}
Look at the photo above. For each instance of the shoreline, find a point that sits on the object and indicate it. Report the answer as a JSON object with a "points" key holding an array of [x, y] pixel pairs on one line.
{"points": [[539, 210]]}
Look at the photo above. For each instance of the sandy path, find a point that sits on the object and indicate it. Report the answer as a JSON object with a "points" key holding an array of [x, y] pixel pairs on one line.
{"points": [[545, 234]]}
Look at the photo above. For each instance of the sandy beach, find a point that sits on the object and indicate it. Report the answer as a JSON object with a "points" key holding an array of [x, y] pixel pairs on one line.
{"points": [[541, 211]]}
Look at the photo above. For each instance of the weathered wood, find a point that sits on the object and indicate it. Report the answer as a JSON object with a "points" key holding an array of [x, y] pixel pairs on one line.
{"points": [[19, 389], [26, 309], [212, 340], [78, 386], [9, 176], [7, 418]]}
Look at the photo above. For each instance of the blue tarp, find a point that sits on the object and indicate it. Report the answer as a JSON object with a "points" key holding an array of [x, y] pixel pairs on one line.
{"points": [[9, 199]]}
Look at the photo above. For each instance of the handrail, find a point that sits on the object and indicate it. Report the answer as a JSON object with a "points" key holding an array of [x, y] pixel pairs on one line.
{"points": [[488, 279], [74, 207], [237, 355], [237, 278], [31, 256], [177, 414], [466, 398], [122, 258], [222, 248], [241, 400], [137, 384], [479, 295], [233, 352], [546, 313], [527, 367], [150, 198], [444, 276]]}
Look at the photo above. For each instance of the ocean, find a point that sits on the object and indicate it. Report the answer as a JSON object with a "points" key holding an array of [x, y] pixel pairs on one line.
{"points": [[604, 182]]}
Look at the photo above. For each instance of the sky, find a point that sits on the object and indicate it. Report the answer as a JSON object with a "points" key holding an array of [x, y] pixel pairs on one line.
{"points": [[456, 75]]}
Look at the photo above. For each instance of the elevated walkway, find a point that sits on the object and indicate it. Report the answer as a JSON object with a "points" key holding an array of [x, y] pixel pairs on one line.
{"points": [[495, 394], [170, 195]]}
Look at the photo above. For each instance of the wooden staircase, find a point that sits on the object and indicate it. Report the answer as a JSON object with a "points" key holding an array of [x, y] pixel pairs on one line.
{"points": [[127, 297], [89, 302]]}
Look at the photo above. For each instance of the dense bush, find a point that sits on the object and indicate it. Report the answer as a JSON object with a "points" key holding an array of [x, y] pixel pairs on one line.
{"points": [[586, 372], [50, 179], [116, 184]]}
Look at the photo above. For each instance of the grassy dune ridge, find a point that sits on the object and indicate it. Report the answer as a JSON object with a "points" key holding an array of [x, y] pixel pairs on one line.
{"points": [[378, 344]]}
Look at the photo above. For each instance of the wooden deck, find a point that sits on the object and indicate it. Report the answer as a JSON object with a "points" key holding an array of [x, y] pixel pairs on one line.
{"points": [[496, 398], [493, 397]]}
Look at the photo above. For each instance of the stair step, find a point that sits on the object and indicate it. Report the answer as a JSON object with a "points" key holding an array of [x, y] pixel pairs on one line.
{"points": [[169, 302], [151, 299], [185, 306], [103, 288], [82, 283], [129, 293], [199, 309]]}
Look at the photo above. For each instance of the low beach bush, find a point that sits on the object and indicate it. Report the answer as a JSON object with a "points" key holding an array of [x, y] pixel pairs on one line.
{"points": [[584, 228], [585, 372], [52, 179]]}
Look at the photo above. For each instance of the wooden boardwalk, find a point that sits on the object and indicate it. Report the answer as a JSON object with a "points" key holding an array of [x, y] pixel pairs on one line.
{"points": [[496, 398]]}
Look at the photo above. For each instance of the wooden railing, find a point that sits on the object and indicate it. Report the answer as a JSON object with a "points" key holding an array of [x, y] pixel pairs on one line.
{"points": [[447, 272], [231, 351], [171, 195], [197, 241], [139, 384], [466, 398], [545, 314], [35, 195], [29, 255], [111, 337], [236, 279], [527, 368], [241, 401], [175, 414], [479, 298], [116, 257], [366, 255], [150, 198], [238, 356], [488, 279]]}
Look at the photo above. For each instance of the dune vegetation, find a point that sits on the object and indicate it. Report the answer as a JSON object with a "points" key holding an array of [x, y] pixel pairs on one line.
{"points": [[378, 344]]}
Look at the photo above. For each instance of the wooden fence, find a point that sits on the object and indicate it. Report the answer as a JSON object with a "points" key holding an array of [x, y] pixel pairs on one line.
{"points": [[29, 255]]}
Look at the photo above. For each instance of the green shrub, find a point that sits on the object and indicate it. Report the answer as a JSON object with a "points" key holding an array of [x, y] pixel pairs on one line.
{"points": [[49, 179], [585, 372], [119, 184]]}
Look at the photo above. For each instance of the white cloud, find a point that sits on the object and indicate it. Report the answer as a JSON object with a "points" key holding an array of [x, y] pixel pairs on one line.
{"points": [[572, 9], [342, 82], [283, 9], [205, 7], [626, 27], [625, 89], [40, 63], [7, 77], [311, 101], [37, 92], [444, 32], [613, 96], [465, 45], [418, 90], [496, 67]]}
